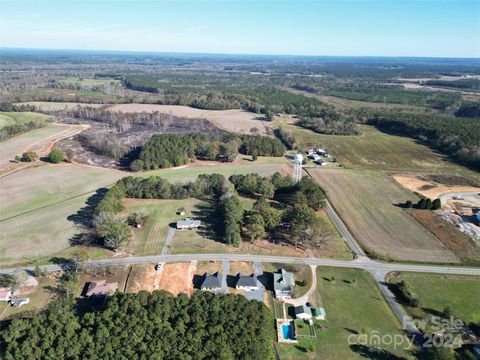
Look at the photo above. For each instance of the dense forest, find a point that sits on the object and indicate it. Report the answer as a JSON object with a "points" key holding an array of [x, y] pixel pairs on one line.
{"points": [[463, 84], [146, 326], [166, 150]]}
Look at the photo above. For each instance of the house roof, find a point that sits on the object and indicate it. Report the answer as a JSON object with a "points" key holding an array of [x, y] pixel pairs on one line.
{"points": [[303, 309], [101, 287], [4, 292], [246, 280], [188, 222], [283, 280], [212, 281]]}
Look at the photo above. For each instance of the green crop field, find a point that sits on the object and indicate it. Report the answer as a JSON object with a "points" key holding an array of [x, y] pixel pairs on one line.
{"points": [[436, 292], [347, 319], [367, 203], [37, 205], [11, 118], [374, 150]]}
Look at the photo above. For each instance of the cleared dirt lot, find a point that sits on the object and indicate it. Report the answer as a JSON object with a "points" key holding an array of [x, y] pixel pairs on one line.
{"points": [[235, 120], [177, 278], [366, 202], [431, 189]]}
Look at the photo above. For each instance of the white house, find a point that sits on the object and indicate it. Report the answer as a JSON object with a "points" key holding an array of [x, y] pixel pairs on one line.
{"points": [[303, 312], [247, 283], [188, 224], [5, 294]]}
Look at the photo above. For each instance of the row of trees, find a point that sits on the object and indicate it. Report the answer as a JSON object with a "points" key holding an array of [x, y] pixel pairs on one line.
{"points": [[9, 131], [424, 204], [146, 326]]}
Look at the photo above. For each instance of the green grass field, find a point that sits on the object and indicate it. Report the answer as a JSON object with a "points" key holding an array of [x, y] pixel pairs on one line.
{"points": [[435, 292], [366, 201], [368, 312], [36, 205], [11, 118], [374, 150]]}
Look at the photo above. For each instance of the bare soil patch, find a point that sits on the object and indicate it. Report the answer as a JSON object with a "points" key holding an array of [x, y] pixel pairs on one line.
{"points": [[177, 278], [432, 189], [242, 267], [143, 277]]}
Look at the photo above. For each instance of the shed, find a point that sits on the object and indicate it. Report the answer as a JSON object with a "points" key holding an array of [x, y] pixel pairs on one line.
{"points": [[5, 294], [319, 313], [20, 302], [303, 312]]}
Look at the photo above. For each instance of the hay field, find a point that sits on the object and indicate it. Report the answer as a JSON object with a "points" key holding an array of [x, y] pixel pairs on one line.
{"points": [[366, 203], [374, 150], [36, 205], [35, 140], [11, 118], [236, 120]]}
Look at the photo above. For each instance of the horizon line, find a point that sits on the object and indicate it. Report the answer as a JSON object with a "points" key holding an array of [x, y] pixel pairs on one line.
{"points": [[236, 54]]}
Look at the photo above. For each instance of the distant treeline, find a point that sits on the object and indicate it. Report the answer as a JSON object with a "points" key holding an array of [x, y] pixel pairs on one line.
{"points": [[145, 325], [166, 150], [456, 137], [464, 84]]}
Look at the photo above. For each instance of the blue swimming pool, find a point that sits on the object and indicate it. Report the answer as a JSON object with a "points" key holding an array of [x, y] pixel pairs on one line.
{"points": [[287, 331]]}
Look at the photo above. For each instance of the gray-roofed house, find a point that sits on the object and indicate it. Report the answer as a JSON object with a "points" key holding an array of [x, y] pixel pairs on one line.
{"points": [[188, 224], [303, 312], [246, 282], [212, 282], [283, 283]]}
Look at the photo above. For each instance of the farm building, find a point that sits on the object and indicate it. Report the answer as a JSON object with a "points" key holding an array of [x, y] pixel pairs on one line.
{"points": [[19, 302], [314, 157], [212, 282], [319, 313], [181, 211], [303, 312], [5, 294], [101, 287], [310, 151], [246, 282], [188, 224], [283, 283]]}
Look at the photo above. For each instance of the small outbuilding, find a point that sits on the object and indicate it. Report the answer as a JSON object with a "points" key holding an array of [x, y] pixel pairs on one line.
{"points": [[101, 287], [246, 282], [212, 282], [5, 294], [19, 302], [303, 312], [188, 224], [319, 313]]}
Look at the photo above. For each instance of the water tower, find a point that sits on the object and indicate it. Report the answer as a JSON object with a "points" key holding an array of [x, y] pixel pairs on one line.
{"points": [[297, 167]]}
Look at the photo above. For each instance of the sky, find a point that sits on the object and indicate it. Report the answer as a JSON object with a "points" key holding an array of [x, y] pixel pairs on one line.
{"points": [[434, 28]]}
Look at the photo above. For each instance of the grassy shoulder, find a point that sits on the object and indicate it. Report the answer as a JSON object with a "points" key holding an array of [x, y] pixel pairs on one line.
{"points": [[437, 292], [353, 306]]}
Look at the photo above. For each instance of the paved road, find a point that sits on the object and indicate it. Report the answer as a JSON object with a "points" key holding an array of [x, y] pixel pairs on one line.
{"points": [[360, 263], [343, 230]]}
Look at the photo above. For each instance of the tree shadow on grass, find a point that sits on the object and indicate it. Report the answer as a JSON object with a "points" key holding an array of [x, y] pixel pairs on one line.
{"points": [[371, 352], [208, 211], [84, 216]]}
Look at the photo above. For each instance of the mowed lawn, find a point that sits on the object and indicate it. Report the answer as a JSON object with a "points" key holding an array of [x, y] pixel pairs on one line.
{"points": [[12, 118], [375, 150], [42, 208], [436, 292], [366, 201], [353, 305], [161, 214]]}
